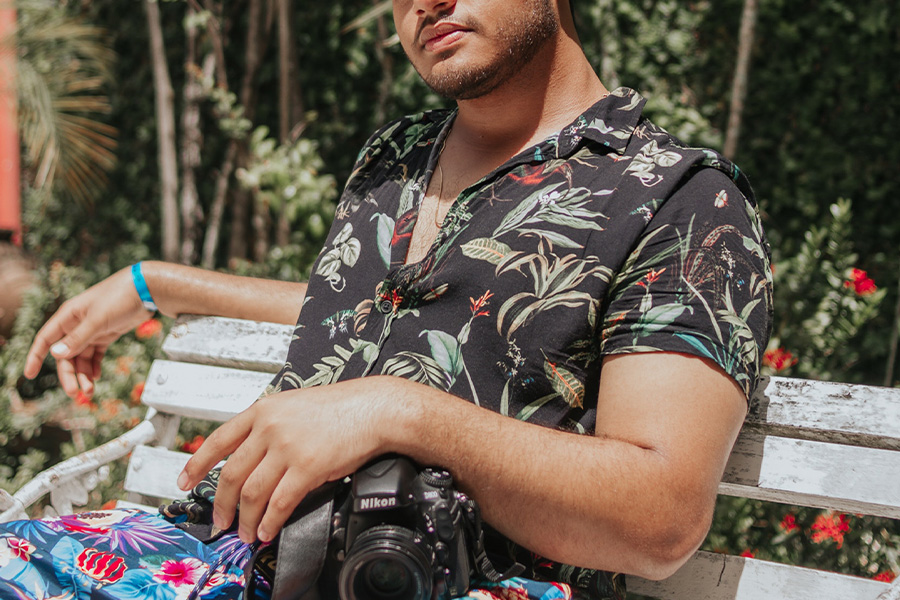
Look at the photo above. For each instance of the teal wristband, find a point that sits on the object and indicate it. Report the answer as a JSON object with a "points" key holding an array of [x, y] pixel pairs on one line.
{"points": [[140, 284]]}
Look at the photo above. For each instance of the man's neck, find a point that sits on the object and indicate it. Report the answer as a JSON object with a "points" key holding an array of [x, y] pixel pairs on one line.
{"points": [[548, 94]]}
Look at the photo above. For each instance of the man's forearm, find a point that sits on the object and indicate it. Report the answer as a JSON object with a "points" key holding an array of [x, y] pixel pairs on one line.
{"points": [[179, 289]]}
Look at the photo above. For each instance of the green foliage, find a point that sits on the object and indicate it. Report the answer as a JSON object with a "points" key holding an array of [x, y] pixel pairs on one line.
{"points": [[819, 309], [63, 65], [863, 546]]}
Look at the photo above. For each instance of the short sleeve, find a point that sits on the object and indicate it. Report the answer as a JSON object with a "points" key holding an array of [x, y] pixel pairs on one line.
{"points": [[697, 282]]}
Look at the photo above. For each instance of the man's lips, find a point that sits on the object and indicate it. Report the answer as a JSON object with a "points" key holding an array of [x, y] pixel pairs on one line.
{"points": [[440, 37]]}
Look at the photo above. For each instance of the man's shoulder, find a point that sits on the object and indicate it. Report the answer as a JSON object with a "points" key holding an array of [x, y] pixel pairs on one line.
{"points": [[653, 155]]}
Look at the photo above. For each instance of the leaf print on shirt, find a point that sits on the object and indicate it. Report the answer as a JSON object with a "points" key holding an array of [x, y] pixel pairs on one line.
{"points": [[555, 280], [554, 206], [345, 252], [648, 159]]}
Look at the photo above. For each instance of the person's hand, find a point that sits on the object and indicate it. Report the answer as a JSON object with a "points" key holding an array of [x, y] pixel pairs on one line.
{"points": [[288, 444], [78, 334]]}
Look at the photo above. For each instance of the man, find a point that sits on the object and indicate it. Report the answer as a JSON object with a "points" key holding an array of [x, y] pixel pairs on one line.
{"points": [[487, 263]]}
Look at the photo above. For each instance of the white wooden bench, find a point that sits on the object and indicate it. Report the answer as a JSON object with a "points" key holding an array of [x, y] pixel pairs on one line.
{"points": [[819, 444]]}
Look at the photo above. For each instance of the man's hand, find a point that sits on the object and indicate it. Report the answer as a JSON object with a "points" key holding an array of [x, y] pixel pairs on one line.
{"points": [[81, 330], [288, 444]]}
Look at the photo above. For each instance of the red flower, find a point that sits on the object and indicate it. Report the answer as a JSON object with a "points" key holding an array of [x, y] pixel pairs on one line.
{"points": [[102, 566], [885, 576], [193, 445], [748, 553], [861, 283], [651, 277], [148, 329], [82, 399], [830, 527], [20, 548], [137, 391], [779, 359], [477, 305], [789, 523]]}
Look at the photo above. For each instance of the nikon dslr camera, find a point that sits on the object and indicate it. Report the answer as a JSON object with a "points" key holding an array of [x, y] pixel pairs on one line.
{"points": [[402, 534]]}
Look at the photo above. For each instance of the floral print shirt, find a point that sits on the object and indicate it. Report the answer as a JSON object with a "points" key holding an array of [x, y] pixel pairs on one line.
{"points": [[608, 237]]}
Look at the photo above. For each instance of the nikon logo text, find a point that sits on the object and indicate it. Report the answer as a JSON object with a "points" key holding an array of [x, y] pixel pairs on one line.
{"points": [[376, 503]]}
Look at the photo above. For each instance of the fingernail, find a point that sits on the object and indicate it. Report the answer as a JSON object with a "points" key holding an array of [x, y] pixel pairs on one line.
{"points": [[218, 521], [58, 348], [263, 535], [183, 481], [86, 384]]}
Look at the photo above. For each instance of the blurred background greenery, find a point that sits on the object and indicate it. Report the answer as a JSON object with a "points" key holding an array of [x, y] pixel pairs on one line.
{"points": [[217, 133]]}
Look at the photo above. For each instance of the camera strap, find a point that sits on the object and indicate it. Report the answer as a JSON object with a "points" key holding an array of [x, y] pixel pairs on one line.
{"points": [[302, 546]]}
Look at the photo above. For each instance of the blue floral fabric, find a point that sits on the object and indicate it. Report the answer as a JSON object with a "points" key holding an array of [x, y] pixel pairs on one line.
{"points": [[125, 554], [129, 554]]}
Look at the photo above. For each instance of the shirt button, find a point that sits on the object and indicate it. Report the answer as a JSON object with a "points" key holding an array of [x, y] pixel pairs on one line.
{"points": [[386, 307]]}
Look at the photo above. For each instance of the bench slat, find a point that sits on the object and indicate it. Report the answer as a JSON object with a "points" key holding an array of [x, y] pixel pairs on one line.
{"points": [[709, 576], [153, 472], [229, 343], [818, 474], [855, 414], [201, 391]]}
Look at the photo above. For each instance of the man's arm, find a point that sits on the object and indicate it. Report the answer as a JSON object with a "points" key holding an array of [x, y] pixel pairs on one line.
{"points": [[80, 331], [636, 498]]}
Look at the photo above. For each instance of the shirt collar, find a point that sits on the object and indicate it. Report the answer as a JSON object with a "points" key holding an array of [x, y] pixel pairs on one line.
{"points": [[611, 121]]}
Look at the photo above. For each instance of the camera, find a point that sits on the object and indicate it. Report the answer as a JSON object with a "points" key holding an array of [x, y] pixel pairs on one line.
{"points": [[401, 533]]}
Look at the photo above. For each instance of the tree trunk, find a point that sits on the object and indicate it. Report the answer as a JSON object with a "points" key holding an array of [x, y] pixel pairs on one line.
{"points": [[191, 144], [165, 127], [387, 70], [741, 75], [241, 207], [217, 211], [290, 108]]}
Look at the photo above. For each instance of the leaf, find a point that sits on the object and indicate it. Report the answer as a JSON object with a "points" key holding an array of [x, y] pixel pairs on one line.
{"points": [[508, 306], [445, 350], [416, 367], [527, 412], [329, 263], [350, 252], [565, 383], [384, 235], [344, 234], [557, 239], [486, 249], [659, 317]]}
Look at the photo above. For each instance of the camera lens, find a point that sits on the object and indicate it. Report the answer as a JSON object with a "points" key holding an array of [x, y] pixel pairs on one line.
{"points": [[385, 563], [387, 578]]}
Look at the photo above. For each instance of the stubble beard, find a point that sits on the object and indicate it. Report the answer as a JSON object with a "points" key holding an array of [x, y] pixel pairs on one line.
{"points": [[520, 41]]}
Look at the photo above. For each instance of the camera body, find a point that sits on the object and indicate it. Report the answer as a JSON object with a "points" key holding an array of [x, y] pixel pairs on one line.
{"points": [[400, 534]]}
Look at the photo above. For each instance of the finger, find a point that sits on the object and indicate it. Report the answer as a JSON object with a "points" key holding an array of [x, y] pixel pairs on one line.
{"points": [[77, 340], [68, 379], [256, 494], [232, 482], [84, 371], [291, 489], [222, 442], [47, 336], [99, 352]]}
